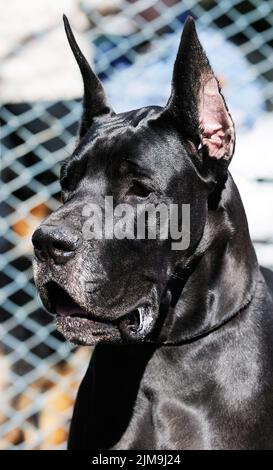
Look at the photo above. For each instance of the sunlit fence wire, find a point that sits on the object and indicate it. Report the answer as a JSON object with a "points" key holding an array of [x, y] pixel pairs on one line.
{"points": [[39, 371]]}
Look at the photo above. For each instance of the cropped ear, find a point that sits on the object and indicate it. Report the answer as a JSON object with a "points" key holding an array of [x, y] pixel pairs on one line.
{"points": [[94, 99], [196, 99]]}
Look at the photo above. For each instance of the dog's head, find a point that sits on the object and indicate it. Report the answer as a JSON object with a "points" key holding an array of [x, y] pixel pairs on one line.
{"points": [[114, 289]]}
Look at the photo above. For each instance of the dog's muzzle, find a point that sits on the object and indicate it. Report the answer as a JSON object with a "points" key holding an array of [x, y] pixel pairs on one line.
{"points": [[83, 327], [56, 245]]}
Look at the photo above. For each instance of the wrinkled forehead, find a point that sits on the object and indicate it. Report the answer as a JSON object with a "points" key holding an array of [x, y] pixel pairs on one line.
{"points": [[137, 117], [131, 123], [138, 135]]}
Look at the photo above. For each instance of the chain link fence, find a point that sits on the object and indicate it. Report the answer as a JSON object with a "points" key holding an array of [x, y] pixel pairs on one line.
{"points": [[125, 39]]}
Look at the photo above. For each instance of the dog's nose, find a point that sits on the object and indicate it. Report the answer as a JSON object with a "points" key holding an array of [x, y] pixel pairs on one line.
{"points": [[56, 242]]}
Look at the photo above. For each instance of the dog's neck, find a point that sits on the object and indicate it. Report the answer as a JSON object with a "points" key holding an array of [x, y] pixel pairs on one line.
{"points": [[220, 278]]}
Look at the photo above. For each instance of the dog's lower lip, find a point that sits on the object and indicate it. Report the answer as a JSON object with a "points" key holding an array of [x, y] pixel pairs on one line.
{"points": [[75, 311], [64, 306]]}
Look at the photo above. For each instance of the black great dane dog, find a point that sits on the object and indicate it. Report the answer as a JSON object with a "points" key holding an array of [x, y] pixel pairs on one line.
{"points": [[184, 358]]}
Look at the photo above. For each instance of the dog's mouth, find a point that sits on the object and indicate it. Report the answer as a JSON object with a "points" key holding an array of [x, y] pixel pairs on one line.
{"points": [[83, 327]]}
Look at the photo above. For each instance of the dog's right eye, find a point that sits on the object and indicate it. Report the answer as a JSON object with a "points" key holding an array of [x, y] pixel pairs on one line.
{"points": [[139, 190]]}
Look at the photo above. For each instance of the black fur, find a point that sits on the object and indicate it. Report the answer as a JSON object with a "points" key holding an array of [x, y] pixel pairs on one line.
{"points": [[201, 376]]}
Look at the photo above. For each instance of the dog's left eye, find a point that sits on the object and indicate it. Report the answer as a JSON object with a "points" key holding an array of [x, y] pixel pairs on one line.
{"points": [[138, 189]]}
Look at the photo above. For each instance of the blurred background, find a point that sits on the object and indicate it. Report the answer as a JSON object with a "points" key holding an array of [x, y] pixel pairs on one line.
{"points": [[132, 45]]}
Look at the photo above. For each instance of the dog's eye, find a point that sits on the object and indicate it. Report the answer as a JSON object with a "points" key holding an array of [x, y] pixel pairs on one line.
{"points": [[138, 189]]}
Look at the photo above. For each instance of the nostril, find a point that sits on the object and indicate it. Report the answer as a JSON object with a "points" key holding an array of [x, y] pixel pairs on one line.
{"points": [[65, 245], [57, 242], [60, 246], [57, 246]]}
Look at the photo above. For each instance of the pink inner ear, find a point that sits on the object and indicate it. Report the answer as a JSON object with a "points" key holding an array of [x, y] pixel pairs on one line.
{"points": [[218, 130]]}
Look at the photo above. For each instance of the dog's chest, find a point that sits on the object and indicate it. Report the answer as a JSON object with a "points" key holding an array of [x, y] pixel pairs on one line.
{"points": [[195, 403], [166, 413]]}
